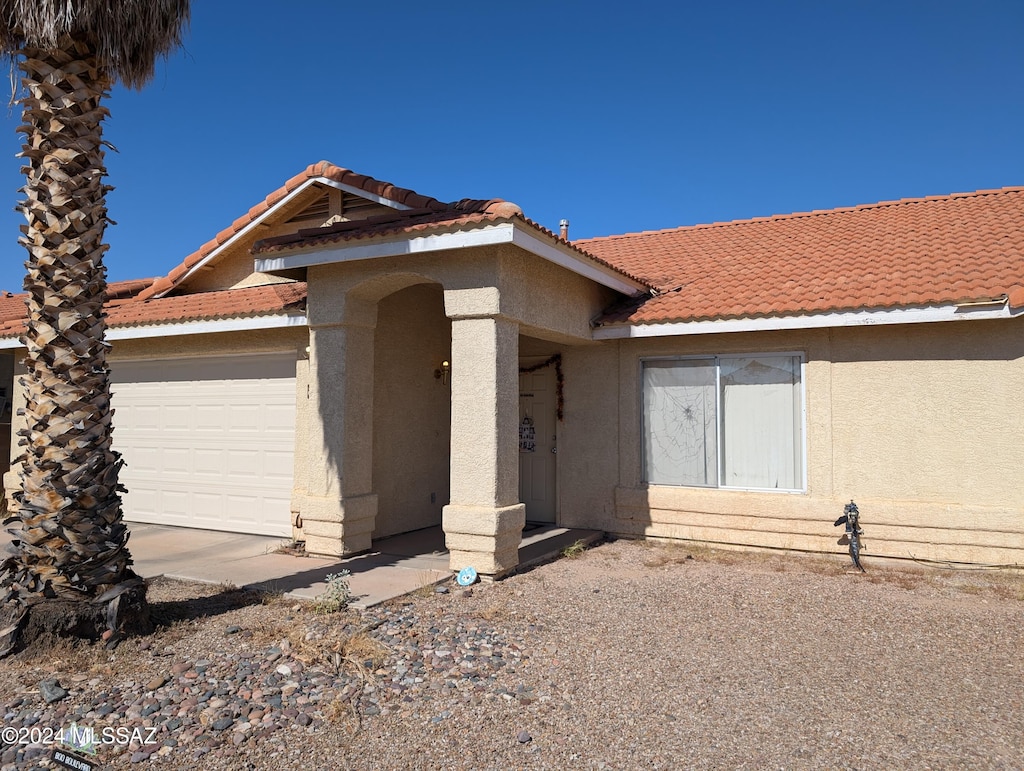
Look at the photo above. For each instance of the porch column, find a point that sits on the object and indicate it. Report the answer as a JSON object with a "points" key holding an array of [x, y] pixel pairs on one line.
{"points": [[483, 524], [340, 507]]}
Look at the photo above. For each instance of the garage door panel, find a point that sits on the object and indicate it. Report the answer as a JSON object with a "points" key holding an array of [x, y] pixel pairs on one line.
{"points": [[176, 461], [244, 417], [240, 464], [210, 418], [241, 506], [146, 417], [174, 504], [208, 442], [277, 465], [279, 419], [209, 462], [175, 418], [208, 506], [143, 459], [142, 499]]}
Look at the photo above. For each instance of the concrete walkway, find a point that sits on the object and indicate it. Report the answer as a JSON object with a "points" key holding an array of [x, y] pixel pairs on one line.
{"points": [[396, 566]]}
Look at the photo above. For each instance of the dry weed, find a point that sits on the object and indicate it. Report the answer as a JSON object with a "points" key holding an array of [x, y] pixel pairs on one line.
{"points": [[1003, 586], [270, 594], [68, 655], [1008, 587], [362, 648], [342, 712], [493, 613], [673, 553], [268, 631], [427, 582], [360, 651]]}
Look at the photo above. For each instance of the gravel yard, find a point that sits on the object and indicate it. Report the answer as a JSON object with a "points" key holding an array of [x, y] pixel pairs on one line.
{"points": [[631, 655]]}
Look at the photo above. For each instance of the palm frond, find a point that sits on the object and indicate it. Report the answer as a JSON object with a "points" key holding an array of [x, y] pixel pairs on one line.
{"points": [[128, 35]]}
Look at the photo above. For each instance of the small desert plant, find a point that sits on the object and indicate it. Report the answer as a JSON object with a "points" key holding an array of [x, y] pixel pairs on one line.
{"points": [[575, 550], [337, 595], [427, 584], [271, 594]]}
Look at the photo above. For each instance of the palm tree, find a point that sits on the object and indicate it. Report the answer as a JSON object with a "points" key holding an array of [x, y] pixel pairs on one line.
{"points": [[71, 564]]}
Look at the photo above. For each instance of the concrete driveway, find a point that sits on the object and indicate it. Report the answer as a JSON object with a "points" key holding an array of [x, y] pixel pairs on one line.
{"points": [[396, 566]]}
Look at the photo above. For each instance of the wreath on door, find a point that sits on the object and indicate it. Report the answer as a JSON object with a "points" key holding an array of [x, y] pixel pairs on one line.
{"points": [[555, 360]]}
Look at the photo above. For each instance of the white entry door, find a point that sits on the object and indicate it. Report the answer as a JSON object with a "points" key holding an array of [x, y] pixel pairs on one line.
{"points": [[208, 442], [537, 442]]}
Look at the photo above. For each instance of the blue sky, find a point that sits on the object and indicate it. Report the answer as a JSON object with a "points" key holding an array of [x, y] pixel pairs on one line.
{"points": [[619, 117]]}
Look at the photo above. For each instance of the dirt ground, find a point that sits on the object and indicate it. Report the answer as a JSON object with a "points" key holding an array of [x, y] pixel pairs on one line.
{"points": [[628, 654]]}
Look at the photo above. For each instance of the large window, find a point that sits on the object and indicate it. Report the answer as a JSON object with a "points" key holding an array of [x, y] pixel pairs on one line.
{"points": [[724, 421]]}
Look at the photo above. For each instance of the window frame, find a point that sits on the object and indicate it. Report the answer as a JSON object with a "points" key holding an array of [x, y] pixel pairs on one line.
{"points": [[719, 417]]}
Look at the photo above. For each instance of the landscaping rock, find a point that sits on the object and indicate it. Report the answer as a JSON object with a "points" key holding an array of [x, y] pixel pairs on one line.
{"points": [[51, 691]]}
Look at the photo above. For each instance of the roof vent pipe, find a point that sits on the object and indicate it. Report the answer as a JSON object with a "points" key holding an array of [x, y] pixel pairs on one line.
{"points": [[563, 229]]}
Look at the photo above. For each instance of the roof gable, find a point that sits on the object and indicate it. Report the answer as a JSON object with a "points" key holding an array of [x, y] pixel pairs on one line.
{"points": [[321, 189]]}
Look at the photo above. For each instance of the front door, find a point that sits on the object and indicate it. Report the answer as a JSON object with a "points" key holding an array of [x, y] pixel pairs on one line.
{"points": [[537, 442]]}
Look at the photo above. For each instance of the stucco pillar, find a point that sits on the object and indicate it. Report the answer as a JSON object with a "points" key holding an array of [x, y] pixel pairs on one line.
{"points": [[340, 507], [483, 524]]}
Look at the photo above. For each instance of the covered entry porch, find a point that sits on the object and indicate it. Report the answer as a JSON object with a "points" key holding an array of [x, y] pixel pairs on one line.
{"points": [[413, 404]]}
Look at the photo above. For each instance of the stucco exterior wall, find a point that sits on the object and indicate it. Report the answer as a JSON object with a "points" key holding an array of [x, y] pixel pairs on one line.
{"points": [[546, 298], [234, 270], [919, 424], [411, 410], [547, 302], [588, 438]]}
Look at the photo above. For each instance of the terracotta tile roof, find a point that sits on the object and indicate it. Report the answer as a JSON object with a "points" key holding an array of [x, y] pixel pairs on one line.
{"points": [[466, 211], [12, 306], [913, 252], [203, 306], [322, 169], [117, 290], [459, 215]]}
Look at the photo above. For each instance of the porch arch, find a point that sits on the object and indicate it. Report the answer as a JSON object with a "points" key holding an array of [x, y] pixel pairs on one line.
{"points": [[411, 407]]}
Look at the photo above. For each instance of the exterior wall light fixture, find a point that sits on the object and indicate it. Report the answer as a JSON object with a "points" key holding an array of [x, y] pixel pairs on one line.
{"points": [[442, 372]]}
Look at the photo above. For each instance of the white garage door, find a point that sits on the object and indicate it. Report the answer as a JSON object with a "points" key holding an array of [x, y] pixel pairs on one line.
{"points": [[207, 442]]}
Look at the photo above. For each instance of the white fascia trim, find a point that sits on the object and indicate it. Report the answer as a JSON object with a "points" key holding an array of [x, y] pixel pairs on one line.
{"points": [[816, 321], [273, 209], [363, 194], [570, 259], [191, 328], [332, 253], [505, 233]]}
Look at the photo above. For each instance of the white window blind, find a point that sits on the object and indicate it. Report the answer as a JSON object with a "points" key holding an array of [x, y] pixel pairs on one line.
{"points": [[680, 411], [728, 421]]}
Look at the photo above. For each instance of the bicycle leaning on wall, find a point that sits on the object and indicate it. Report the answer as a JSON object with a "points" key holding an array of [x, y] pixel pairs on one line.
{"points": [[851, 518]]}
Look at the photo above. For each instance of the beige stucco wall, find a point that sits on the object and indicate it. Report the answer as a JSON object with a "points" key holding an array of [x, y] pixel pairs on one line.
{"points": [[919, 424], [411, 410], [546, 301]]}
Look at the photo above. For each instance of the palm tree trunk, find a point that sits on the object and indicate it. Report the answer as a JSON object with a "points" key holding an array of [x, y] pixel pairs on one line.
{"points": [[71, 537]]}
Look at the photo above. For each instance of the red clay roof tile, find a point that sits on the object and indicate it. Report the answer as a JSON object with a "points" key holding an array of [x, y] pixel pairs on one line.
{"points": [[465, 213], [912, 252], [127, 311]]}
